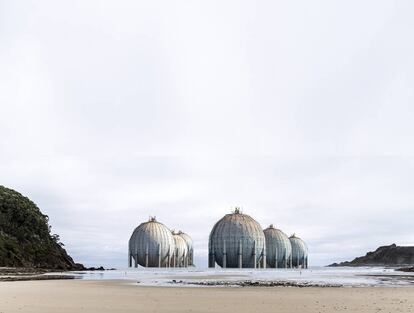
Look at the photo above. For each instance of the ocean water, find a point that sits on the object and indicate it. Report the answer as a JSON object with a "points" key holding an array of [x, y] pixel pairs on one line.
{"points": [[350, 277]]}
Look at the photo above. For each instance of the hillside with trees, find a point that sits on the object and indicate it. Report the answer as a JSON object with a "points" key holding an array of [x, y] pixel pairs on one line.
{"points": [[25, 236]]}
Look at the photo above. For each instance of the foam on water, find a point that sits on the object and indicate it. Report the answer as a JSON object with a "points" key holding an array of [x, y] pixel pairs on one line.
{"points": [[346, 276]]}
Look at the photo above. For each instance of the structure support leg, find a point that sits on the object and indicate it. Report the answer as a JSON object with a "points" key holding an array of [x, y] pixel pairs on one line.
{"points": [[254, 254], [224, 255], [240, 254], [276, 257], [211, 259], [159, 255], [146, 257]]}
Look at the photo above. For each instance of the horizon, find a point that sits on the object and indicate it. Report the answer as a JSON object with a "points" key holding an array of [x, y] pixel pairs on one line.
{"points": [[299, 113], [200, 261]]}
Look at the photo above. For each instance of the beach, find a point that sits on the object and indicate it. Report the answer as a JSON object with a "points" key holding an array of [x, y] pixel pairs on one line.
{"points": [[56, 296]]}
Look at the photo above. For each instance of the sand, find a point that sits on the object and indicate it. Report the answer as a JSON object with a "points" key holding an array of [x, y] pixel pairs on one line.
{"points": [[121, 296]]}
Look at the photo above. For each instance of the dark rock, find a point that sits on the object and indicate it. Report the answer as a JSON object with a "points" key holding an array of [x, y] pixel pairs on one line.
{"points": [[391, 255], [257, 283], [78, 267], [406, 269], [101, 268]]}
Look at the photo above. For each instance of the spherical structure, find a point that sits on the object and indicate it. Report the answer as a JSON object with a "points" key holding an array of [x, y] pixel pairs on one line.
{"points": [[299, 252], [181, 250], [278, 248], [190, 248], [151, 244], [237, 240]]}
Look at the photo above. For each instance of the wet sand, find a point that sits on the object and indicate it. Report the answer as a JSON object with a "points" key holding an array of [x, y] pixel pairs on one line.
{"points": [[122, 296]]}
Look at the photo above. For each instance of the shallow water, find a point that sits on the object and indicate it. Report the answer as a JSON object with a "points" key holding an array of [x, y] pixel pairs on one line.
{"points": [[353, 277]]}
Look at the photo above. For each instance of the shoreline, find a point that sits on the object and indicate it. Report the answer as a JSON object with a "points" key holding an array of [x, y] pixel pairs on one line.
{"points": [[11, 274], [326, 278], [35, 278]]}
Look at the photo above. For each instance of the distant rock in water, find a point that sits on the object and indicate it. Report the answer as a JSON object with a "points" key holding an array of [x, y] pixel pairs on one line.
{"points": [[406, 269], [392, 255], [25, 238]]}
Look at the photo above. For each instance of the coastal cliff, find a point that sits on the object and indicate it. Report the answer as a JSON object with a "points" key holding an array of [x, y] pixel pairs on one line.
{"points": [[391, 255], [25, 237]]}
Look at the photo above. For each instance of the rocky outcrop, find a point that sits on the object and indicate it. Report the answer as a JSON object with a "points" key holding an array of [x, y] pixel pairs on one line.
{"points": [[254, 283], [392, 255], [25, 238]]}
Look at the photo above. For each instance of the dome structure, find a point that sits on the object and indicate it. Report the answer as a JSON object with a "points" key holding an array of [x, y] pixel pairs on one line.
{"points": [[237, 240], [299, 252], [151, 245], [190, 248], [278, 248], [180, 251]]}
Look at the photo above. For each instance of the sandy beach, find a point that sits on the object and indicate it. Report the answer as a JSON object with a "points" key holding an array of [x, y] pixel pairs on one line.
{"points": [[122, 296]]}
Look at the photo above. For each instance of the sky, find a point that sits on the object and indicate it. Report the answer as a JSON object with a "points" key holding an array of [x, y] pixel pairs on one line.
{"points": [[299, 112]]}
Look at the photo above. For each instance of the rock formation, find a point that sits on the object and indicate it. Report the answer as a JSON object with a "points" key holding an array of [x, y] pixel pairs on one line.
{"points": [[392, 255]]}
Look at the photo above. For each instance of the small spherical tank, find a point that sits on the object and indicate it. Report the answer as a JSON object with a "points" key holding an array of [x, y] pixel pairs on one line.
{"points": [[299, 252], [181, 250], [151, 245], [190, 248], [237, 240], [278, 248]]}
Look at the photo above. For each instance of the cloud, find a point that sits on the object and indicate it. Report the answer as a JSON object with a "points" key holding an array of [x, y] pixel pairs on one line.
{"points": [[300, 113]]}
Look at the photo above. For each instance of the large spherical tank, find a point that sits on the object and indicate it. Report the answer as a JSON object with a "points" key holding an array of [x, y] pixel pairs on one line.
{"points": [[278, 248], [299, 251], [190, 248], [232, 232], [187, 239], [151, 244], [181, 250]]}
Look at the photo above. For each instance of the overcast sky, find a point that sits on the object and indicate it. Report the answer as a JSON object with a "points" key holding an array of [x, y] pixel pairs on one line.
{"points": [[300, 112]]}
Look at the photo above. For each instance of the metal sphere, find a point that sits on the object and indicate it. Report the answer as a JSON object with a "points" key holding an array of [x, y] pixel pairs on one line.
{"points": [[181, 250], [151, 244], [278, 248], [299, 251], [187, 239], [236, 238], [190, 248]]}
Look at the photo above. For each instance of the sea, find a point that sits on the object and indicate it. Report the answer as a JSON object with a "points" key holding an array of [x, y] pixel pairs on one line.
{"points": [[322, 276]]}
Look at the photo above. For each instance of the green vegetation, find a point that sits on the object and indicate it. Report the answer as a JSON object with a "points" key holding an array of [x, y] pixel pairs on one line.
{"points": [[25, 238]]}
